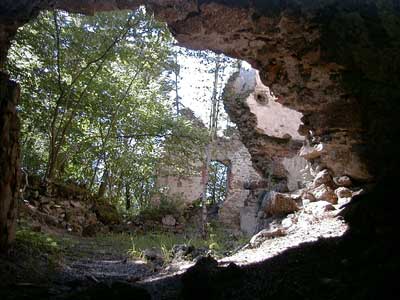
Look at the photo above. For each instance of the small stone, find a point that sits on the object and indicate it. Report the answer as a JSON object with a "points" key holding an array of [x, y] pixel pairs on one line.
{"points": [[168, 220], [344, 181], [343, 192], [75, 204], [265, 234], [44, 200], [153, 255], [343, 201], [307, 196]]}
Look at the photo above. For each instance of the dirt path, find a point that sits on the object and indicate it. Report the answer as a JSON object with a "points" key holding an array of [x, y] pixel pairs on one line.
{"points": [[99, 259]]}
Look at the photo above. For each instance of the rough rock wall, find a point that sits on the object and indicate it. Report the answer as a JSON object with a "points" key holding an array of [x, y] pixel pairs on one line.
{"points": [[9, 160], [266, 127], [313, 55], [259, 117]]}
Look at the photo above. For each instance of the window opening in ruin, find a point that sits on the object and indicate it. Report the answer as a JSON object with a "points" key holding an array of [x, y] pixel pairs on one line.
{"points": [[217, 183]]}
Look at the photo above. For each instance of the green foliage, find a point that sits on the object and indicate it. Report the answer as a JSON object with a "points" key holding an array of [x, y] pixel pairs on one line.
{"points": [[106, 212], [217, 182], [166, 206]]}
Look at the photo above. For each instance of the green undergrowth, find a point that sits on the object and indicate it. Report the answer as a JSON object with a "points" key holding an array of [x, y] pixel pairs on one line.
{"points": [[218, 242], [51, 249], [38, 243], [34, 258]]}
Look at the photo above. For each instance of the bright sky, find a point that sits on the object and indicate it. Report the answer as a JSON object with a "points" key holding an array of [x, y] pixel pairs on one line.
{"points": [[195, 86]]}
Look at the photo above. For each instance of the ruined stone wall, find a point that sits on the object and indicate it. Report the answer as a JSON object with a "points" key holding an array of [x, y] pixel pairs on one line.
{"points": [[240, 176], [186, 188], [231, 152]]}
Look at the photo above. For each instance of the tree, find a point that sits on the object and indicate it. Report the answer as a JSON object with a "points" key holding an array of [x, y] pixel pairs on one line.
{"points": [[96, 100]]}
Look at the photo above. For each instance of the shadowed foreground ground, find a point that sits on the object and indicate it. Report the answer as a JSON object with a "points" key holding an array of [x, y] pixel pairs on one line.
{"points": [[362, 264], [351, 267]]}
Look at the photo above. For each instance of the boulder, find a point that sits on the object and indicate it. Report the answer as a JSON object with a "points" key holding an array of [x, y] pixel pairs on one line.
{"points": [[306, 195], [324, 192], [343, 192], [323, 177], [344, 181], [154, 256], [318, 208], [280, 203], [168, 220], [287, 222]]}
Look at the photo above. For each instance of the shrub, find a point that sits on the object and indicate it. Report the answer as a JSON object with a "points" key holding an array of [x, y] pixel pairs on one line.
{"points": [[166, 206]]}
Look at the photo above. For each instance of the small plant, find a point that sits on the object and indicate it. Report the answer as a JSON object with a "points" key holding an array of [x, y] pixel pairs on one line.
{"points": [[134, 252], [166, 253]]}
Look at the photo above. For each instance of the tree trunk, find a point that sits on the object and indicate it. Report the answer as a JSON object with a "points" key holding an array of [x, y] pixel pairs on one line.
{"points": [[9, 160], [204, 196], [127, 196], [103, 185]]}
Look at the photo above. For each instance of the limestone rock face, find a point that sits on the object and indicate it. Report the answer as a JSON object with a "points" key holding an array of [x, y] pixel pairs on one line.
{"points": [[268, 129], [312, 152], [9, 160]]}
